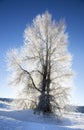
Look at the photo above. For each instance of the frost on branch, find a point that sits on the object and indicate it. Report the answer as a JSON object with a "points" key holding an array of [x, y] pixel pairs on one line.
{"points": [[42, 66]]}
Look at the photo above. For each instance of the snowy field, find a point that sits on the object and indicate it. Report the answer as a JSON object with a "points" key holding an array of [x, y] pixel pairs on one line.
{"points": [[11, 119]]}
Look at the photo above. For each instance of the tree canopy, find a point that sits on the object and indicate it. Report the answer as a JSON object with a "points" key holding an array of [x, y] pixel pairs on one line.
{"points": [[42, 66]]}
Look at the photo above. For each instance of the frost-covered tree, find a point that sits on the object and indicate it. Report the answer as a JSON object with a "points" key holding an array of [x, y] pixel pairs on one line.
{"points": [[42, 66]]}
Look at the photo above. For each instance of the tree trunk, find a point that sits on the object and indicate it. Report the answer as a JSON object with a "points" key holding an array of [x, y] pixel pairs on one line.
{"points": [[44, 105]]}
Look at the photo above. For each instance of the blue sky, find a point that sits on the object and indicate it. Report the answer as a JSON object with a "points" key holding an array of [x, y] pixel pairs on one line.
{"points": [[16, 14]]}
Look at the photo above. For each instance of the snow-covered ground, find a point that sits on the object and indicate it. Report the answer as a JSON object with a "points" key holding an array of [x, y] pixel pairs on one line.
{"points": [[11, 119]]}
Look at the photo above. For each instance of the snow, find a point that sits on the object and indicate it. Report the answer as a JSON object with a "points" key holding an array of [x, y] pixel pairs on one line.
{"points": [[11, 119]]}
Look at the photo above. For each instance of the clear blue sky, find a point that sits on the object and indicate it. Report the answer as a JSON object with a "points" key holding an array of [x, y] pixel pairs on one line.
{"points": [[16, 14]]}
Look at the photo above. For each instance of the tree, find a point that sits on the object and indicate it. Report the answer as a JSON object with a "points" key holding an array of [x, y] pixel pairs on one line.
{"points": [[42, 66]]}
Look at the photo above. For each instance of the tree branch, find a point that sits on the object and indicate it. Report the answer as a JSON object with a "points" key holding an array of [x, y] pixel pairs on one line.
{"points": [[64, 75], [38, 71], [30, 78]]}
